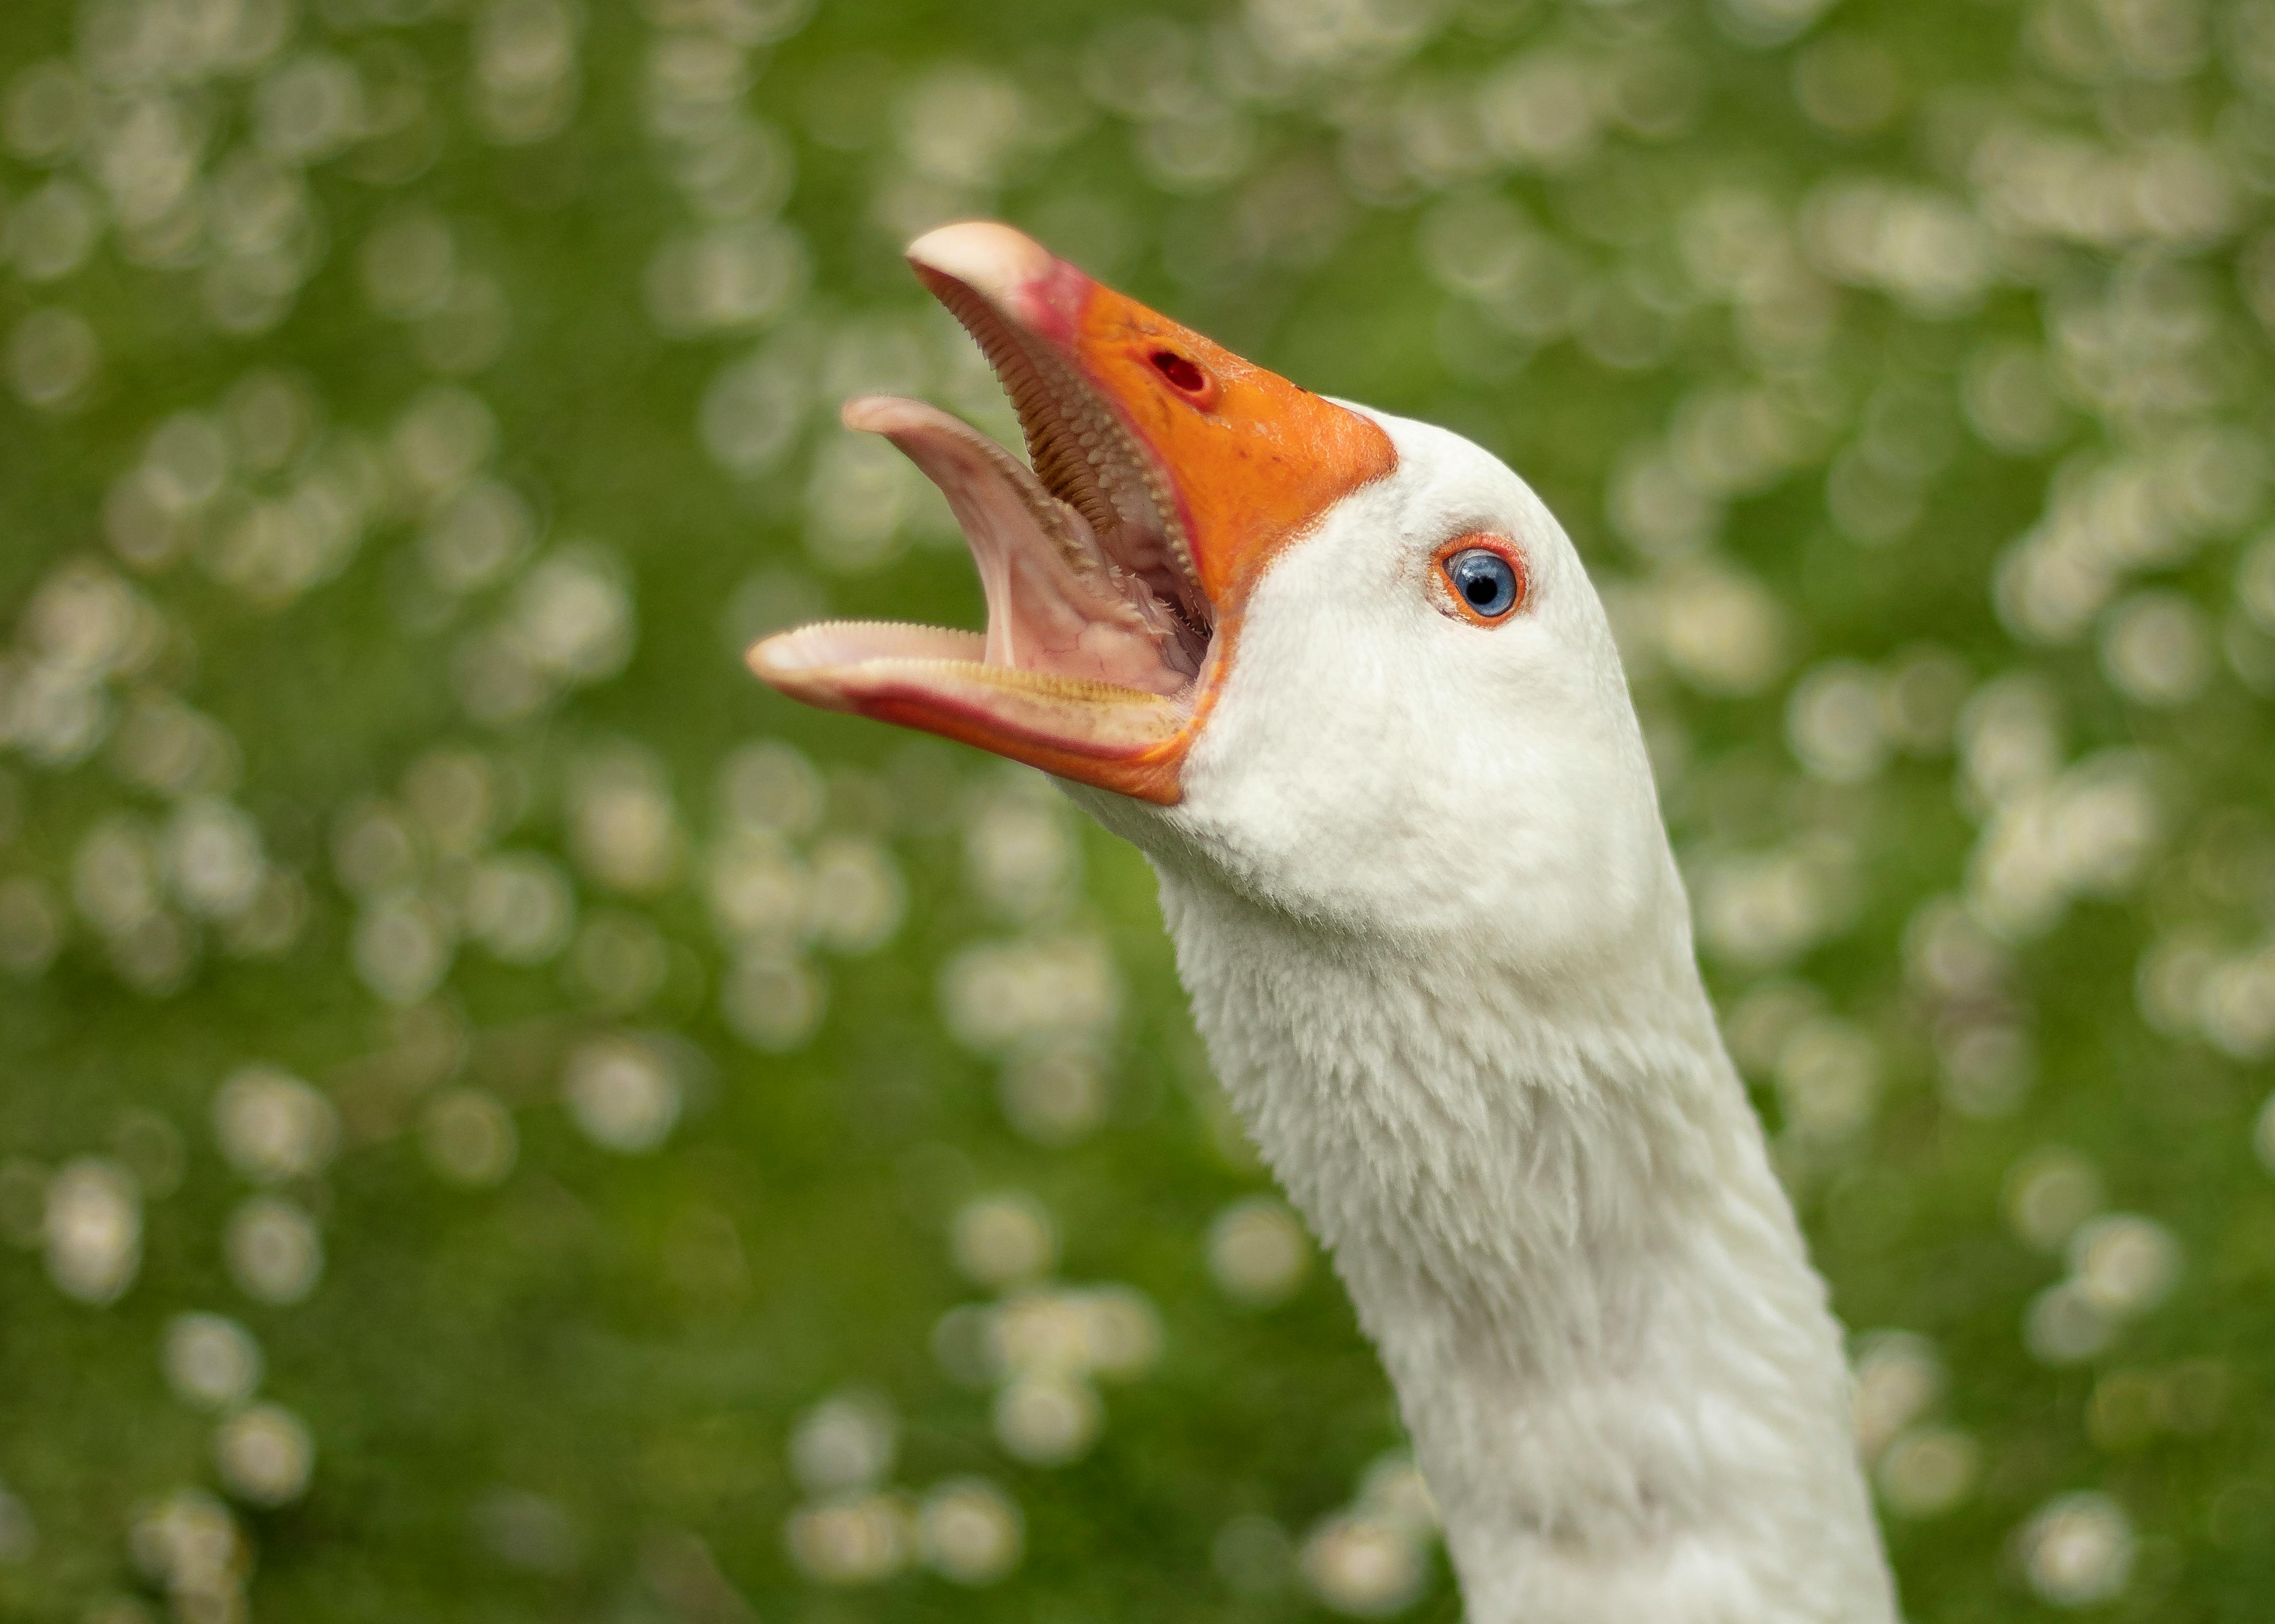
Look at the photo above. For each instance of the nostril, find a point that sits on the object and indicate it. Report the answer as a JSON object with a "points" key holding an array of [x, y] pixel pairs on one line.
{"points": [[1179, 371]]}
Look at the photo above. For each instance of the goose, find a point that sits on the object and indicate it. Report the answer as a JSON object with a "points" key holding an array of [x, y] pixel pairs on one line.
{"points": [[1343, 680]]}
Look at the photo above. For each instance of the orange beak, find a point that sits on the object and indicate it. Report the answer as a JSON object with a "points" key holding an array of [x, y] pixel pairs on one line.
{"points": [[1167, 472]]}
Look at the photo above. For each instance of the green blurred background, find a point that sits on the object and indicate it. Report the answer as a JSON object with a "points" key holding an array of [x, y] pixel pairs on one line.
{"points": [[502, 1118]]}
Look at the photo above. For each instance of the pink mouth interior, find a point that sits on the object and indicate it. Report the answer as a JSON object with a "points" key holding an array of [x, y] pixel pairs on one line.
{"points": [[1098, 629], [1059, 604]]}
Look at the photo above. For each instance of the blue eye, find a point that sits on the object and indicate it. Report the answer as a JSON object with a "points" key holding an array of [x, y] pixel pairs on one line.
{"points": [[1486, 581]]}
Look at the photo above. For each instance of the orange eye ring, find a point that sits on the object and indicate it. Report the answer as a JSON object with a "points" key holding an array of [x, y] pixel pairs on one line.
{"points": [[1485, 609]]}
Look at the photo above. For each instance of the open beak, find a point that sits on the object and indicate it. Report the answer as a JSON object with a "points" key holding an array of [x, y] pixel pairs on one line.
{"points": [[1166, 472]]}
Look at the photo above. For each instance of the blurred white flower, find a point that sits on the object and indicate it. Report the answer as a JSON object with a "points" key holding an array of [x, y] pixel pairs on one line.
{"points": [[274, 1251], [1834, 722], [1762, 909], [93, 1230], [1122, 1331], [730, 278], [526, 71], [51, 360], [858, 500], [1929, 1471], [264, 1455], [457, 796], [995, 993], [1898, 1376], [1258, 1252], [1930, 251], [2013, 399], [2050, 1193], [2078, 1550], [307, 108], [772, 1001], [402, 948], [1310, 35], [960, 122], [2090, 832], [757, 887], [1000, 1240], [115, 876], [54, 230], [2063, 1325], [969, 1532], [468, 1137], [855, 897], [211, 1361], [375, 849], [163, 746], [770, 786], [1048, 1420], [478, 537], [2125, 1263], [1364, 1567], [855, 1539], [1721, 629], [1055, 1094], [845, 1442], [520, 906], [1544, 108], [189, 1543], [1828, 1076], [271, 1126], [571, 617], [443, 440], [46, 111], [619, 959], [622, 1093], [1019, 848], [2010, 736], [2156, 648], [2234, 1003], [753, 415], [623, 827]]}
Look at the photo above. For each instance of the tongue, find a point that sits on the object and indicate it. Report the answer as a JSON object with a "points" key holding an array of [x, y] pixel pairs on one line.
{"points": [[1055, 602]]}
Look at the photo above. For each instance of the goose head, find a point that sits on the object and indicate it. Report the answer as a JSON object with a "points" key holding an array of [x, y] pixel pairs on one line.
{"points": [[1347, 663]]}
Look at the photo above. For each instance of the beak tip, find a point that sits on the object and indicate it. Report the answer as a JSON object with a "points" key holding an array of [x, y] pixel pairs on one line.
{"points": [[761, 660], [992, 259], [779, 662], [775, 661]]}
